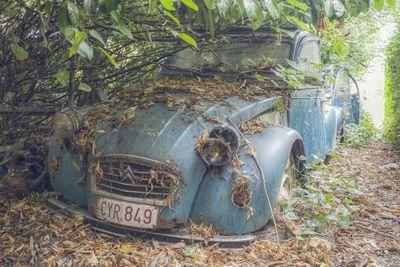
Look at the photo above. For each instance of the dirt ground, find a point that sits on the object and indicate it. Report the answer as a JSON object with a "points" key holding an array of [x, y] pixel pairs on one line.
{"points": [[374, 237], [31, 235]]}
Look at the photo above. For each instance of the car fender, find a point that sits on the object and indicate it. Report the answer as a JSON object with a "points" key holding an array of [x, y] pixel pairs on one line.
{"points": [[67, 173], [213, 204]]}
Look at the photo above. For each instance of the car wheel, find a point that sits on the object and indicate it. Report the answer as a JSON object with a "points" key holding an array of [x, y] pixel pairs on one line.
{"points": [[290, 175]]}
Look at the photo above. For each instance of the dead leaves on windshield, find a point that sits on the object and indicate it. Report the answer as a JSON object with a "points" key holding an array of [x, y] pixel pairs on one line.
{"points": [[191, 92], [211, 89]]}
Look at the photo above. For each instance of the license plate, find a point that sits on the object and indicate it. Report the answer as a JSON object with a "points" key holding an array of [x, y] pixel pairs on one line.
{"points": [[127, 213]]}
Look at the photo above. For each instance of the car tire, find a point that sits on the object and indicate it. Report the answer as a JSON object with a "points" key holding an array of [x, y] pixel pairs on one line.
{"points": [[341, 134], [328, 159]]}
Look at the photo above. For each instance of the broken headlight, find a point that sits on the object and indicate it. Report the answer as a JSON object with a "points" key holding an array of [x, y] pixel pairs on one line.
{"points": [[218, 148], [66, 123]]}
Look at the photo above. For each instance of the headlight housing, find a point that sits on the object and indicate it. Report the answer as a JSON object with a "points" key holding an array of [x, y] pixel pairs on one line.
{"points": [[218, 148], [66, 123]]}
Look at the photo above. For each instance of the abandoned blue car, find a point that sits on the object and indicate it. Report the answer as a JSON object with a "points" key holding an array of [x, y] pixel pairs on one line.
{"points": [[216, 139]]}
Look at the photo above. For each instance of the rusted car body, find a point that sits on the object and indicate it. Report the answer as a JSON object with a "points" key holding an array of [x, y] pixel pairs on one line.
{"points": [[154, 171]]}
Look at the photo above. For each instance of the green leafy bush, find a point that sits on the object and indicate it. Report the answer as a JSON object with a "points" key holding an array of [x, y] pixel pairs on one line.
{"points": [[359, 135], [392, 91]]}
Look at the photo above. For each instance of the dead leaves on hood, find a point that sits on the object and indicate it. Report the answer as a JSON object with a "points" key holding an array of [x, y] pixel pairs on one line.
{"points": [[203, 138], [115, 115], [189, 93], [128, 114], [253, 126]]}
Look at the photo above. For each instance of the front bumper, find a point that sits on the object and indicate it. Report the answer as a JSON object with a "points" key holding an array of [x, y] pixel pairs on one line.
{"points": [[172, 235]]}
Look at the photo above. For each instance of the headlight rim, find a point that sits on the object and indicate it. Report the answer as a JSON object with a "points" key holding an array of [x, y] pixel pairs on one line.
{"points": [[227, 139], [212, 142], [75, 121]]}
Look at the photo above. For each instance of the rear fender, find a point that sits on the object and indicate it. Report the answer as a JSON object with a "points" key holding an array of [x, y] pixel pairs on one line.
{"points": [[213, 204]]}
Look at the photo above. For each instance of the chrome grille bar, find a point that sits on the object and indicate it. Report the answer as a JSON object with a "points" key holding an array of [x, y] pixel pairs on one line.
{"points": [[137, 177]]}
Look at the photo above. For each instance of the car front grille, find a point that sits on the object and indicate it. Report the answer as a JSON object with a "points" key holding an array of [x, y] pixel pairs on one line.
{"points": [[136, 177]]}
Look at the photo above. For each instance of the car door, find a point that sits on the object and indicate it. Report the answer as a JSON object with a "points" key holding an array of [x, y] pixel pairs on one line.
{"points": [[308, 102], [346, 95], [356, 108]]}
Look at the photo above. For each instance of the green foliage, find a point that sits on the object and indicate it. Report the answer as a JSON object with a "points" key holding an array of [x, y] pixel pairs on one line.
{"points": [[391, 3], [299, 5], [172, 17], [111, 44], [84, 87], [188, 39], [79, 38], [293, 76], [323, 200], [191, 4], [168, 4], [273, 13], [18, 51], [353, 43], [62, 77], [95, 34], [392, 91], [109, 57], [64, 42], [280, 105], [379, 4], [360, 135]]}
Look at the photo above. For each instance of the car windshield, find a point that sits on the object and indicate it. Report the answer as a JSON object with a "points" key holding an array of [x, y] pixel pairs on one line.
{"points": [[243, 56]]}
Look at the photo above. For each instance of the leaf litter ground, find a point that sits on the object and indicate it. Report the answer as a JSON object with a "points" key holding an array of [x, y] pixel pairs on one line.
{"points": [[30, 234]]}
